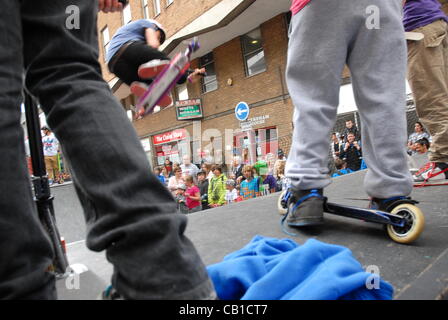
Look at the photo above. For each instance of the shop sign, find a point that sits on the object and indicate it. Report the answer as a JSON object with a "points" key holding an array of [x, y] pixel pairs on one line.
{"points": [[189, 109], [255, 121], [171, 136]]}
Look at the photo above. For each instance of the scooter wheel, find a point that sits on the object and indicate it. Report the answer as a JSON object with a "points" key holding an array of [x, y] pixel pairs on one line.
{"points": [[413, 227], [281, 208]]}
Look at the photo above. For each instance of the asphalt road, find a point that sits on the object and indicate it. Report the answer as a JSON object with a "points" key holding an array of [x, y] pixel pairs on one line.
{"points": [[417, 271]]}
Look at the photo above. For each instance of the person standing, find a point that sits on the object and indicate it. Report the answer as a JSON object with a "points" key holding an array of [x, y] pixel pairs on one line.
{"points": [[428, 77], [351, 153], [326, 35], [175, 180], [129, 214], [51, 151], [419, 133], [203, 184], [188, 168], [217, 188], [192, 195]]}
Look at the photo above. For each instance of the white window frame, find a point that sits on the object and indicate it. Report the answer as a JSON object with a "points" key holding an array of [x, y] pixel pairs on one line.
{"points": [[157, 7], [106, 39], [203, 84], [145, 6], [127, 14], [251, 53]]}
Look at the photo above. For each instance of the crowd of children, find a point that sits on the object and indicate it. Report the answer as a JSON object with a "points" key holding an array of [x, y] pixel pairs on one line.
{"points": [[213, 187]]}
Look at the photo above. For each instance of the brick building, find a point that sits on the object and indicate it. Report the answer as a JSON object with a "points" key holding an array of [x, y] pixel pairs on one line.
{"points": [[243, 47]]}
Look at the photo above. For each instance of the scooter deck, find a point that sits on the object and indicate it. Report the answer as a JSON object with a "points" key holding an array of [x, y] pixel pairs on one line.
{"points": [[371, 215]]}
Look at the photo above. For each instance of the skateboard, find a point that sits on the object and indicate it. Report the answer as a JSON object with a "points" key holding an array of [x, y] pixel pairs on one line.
{"points": [[403, 220], [165, 80]]}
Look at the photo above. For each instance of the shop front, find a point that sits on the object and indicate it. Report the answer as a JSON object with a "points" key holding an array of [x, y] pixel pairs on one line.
{"points": [[172, 145]]}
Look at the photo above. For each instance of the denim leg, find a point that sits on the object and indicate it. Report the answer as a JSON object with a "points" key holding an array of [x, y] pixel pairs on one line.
{"points": [[25, 250], [129, 213]]}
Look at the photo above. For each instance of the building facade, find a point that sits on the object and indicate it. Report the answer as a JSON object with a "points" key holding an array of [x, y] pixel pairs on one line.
{"points": [[244, 49]]}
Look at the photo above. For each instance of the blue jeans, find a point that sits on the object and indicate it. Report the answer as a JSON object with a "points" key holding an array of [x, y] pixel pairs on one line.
{"points": [[129, 213]]}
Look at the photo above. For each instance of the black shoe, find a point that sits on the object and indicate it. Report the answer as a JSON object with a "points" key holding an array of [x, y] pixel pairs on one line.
{"points": [[306, 208]]}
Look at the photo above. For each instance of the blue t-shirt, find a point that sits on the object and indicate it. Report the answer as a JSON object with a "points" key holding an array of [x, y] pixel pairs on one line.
{"points": [[132, 31], [419, 13]]}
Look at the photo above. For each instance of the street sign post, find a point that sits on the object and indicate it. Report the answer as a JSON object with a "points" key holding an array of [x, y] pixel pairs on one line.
{"points": [[242, 111]]}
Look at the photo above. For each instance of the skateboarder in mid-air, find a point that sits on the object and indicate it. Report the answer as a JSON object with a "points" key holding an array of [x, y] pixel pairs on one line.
{"points": [[133, 56], [324, 36]]}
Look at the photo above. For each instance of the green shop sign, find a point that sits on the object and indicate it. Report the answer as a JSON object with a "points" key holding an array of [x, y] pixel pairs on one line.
{"points": [[189, 109]]}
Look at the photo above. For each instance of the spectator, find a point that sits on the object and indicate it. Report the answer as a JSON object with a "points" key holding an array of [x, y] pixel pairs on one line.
{"points": [[217, 188], [350, 127], [192, 195], [281, 179], [207, 168], [165, 174], [422, 146], [336, 145], [51, 150], [237, 167], [169, 167], [175, 180], [427, 76], [250, 186], [159, 175], [181, 199], [280, 162], [270, 160], [420, 157], [419, 133], [203, 184], [352, 153], [188, 168], [231, 193], [268, 182], [341, 168]]}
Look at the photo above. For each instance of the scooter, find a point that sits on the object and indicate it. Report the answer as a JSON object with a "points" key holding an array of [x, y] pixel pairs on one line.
{"points": [[403, 220]]}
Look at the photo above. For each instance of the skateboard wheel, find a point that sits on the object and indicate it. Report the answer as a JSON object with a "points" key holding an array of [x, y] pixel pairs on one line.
{"points": [[281, 209], [414, 224]]}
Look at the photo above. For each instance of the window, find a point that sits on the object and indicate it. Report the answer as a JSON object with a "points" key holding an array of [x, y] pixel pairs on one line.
{"points": [[182, 92], [157, 10], [253, 52], [168, 2], [145, 9], [127, 15], [106, 40], [209, 82]]}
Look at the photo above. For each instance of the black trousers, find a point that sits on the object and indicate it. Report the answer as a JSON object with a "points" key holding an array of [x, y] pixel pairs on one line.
{"points": [[137, 53]]}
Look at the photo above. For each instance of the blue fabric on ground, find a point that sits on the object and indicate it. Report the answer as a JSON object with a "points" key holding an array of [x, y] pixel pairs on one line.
{"points": [[280, 269]]}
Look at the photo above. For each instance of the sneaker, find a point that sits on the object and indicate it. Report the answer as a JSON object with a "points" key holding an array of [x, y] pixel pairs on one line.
{"points": [[430, 171], [305, 208], [152, 68], [110, 294]]}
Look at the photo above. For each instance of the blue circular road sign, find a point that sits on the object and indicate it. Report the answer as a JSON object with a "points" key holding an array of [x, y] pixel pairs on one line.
{"points": [[242, 111]]}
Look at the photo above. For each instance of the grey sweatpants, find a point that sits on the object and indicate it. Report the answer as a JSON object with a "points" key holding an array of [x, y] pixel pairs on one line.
{"points": [[324, 36]]}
